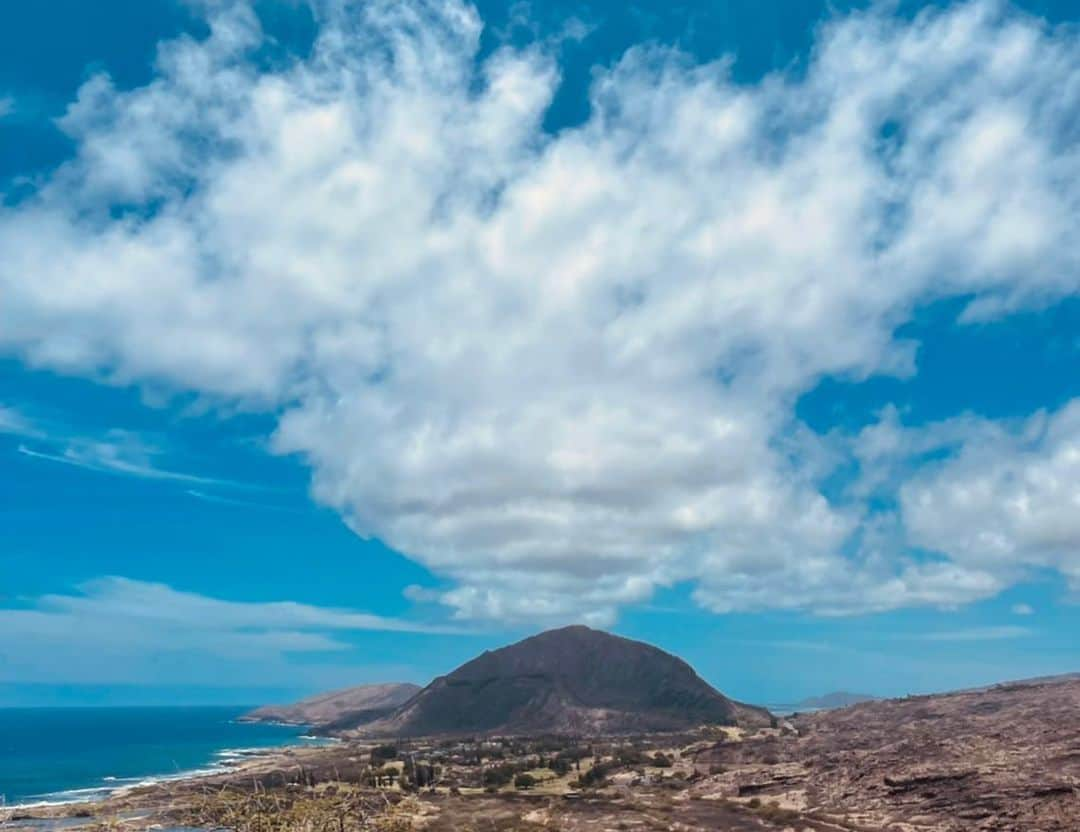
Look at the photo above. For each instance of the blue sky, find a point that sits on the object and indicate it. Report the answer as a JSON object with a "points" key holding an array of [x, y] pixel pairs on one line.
{"points": [[341, 341]]}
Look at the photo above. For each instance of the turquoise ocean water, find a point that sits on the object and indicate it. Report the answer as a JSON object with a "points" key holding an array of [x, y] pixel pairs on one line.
{"points": [[64, 754]]}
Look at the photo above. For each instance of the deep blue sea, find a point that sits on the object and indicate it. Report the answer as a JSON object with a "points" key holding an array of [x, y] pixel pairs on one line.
{"points": [[58, 754]]}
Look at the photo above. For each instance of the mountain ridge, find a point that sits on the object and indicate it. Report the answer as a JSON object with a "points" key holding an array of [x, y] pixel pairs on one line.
{"points": [[358, 704], [835, 699]]}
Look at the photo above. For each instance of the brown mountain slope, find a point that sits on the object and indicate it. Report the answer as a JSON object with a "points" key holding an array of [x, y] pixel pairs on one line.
{"points": [[355, 705], [569, 681]]}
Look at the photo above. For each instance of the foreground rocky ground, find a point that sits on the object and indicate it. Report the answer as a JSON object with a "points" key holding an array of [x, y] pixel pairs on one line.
{"points": [[1003, 759], [1007, 758]]}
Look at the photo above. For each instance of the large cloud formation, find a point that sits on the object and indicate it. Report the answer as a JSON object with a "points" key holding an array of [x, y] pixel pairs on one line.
{"points": [[560, 370]]}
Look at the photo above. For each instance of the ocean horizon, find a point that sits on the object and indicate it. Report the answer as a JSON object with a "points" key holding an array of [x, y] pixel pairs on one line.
{"points": [[60, 755]]}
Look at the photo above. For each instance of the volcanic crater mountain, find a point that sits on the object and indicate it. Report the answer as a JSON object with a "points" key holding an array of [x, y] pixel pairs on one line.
{"points": [[574, 680]]}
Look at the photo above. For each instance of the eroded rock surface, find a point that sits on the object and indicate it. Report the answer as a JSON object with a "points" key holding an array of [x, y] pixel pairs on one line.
{"points": [[1006, 758]]}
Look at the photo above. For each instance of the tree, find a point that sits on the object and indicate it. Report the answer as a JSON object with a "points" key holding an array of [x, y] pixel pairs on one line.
{"points": [[498, 775], [524, 781]]}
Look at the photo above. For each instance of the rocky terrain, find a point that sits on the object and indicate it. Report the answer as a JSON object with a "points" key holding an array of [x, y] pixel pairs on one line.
{"points": [[351, 706], [1005, 758], [574, 680]]}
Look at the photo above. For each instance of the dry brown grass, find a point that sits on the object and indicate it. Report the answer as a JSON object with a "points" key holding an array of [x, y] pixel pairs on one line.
{"points": [[333, 807]]}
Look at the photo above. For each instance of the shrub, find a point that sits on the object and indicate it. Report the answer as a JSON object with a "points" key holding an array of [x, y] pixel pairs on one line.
{"points": [[381, 753], [632, 757], [596, 776], [775, 813]]}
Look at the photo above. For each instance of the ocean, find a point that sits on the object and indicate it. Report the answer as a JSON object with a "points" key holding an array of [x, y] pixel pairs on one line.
{"points": [[66, 754]]}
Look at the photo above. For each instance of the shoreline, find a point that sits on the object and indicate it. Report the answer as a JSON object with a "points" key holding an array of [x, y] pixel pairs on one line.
{"points": [[225, 763], [151, 802]]}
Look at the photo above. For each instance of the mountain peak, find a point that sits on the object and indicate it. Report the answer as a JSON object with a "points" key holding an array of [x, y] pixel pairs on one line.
{"points": [[569, 680]]}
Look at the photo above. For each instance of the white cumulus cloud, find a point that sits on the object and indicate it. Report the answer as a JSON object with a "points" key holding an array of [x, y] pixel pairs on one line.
{"points": [[1007, 499], [559, 370]]}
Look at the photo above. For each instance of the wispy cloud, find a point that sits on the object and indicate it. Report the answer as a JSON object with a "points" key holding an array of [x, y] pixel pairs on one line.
{"points": [[130, 625], [115, 451], [7, 105], [14, 422], [978, 634], [1023, 609], [157, 602], [812, 646], [218, 499], [109, 459]]}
